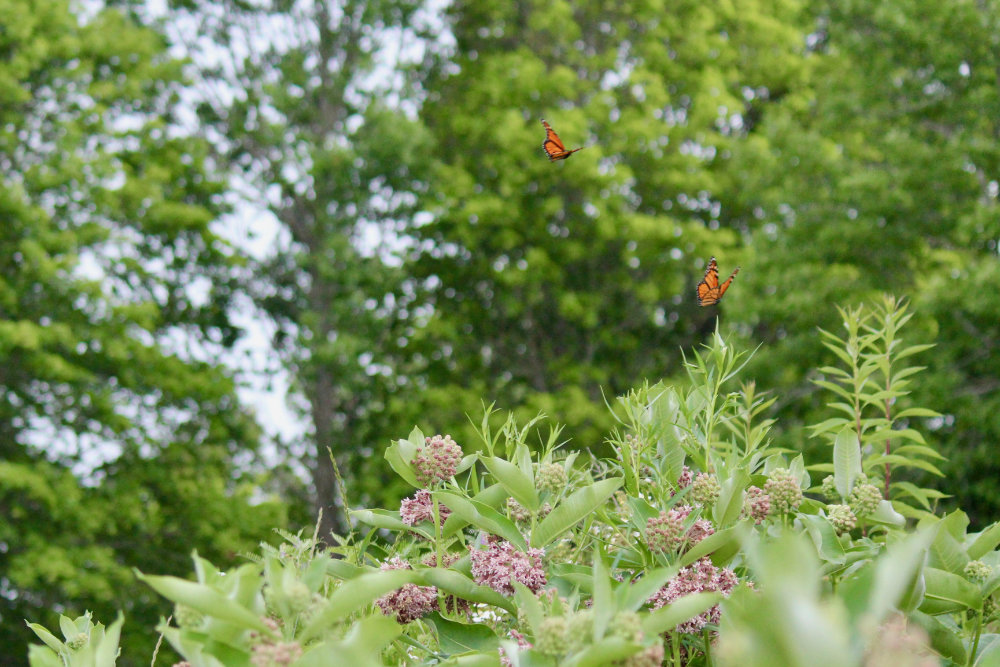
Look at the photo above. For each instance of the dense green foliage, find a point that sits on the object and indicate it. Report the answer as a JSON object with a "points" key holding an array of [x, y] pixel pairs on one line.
{"points": [[430, 257], [697, 543], [116, 440]]}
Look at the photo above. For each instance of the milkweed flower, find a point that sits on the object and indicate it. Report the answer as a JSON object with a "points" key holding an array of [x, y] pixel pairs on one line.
{"points": [[784, 490], [551, 477], [865, 499], [700, 577], [421, 508], [500, 565], [705, 488], [842, 518], [667, 533], [756, 504], [409, 602], [437, 461]]}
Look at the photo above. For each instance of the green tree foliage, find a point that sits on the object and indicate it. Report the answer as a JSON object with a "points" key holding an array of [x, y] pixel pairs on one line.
{"points": [[554, 282], [880, 174], [306, 115], [116, 432]]}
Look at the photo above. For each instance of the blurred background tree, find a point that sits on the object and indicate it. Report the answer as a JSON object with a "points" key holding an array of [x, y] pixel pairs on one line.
{"points": [[429, 256], [117, 430]]}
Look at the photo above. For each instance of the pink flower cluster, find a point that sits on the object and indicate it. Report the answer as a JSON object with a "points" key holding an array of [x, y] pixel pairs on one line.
{"points": [[437, 461], [421, 508], [684, 481], [666, 532], [757, 504], [409, 602], [699, 577], [502, 564]]}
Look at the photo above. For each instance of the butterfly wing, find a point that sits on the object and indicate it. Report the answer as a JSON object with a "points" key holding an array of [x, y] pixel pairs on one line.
{"points": [[724, 286], [709, 289], [553, 145]]}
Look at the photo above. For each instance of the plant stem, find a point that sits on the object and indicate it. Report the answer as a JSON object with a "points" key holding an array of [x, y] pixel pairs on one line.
{"points": [[975, 642]]}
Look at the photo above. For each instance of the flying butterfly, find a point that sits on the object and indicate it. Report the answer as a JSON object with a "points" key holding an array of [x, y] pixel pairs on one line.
{"points": [[709, 289], [553, 145]]}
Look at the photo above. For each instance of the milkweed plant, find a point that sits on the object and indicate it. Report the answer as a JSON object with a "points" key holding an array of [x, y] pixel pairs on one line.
{"points": [[695, 542]]}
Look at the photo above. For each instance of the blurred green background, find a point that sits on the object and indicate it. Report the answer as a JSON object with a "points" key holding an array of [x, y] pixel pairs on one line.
{"points": [[420, 254]]}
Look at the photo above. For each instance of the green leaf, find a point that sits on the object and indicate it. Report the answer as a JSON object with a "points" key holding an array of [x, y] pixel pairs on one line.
{"points": [[947, 592], [666, 618], [572, 510], [355, 594], [984, 542], [47, 637], [491, 496], [604, 652], [398, 455], [208, 601], [389, 521], [482, 516], [461, 586], [722, 546], [361, 647], [945, 640], [824, 538], [729, 505], [846, 461], [514, 480], [461, 637]]}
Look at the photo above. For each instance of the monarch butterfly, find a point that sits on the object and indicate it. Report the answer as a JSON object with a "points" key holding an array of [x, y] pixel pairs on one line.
{"points": [[553, 145], [709, 289]]}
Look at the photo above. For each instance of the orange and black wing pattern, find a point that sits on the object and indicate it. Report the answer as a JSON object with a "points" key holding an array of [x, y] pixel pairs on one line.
{"points": [[709, 289], [553, 145]]}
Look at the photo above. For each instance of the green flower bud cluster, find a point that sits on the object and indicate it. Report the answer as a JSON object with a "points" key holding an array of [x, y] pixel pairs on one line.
{"points": [[865, 499], [842, 518], [783, 489], [551, 477], [628, 626], [186, 617], [551, 637], [705, 489], [829, 489], [977, 571]]}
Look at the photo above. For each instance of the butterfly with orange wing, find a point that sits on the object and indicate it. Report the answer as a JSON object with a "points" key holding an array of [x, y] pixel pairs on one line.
{"points": [[709, 289], [553, 145]]}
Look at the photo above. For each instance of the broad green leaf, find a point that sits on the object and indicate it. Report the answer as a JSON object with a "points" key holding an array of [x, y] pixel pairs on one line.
{"points": [[355, 594], [729, 505], [572, 510], [491, 496], [482, 516], [605, 652], [461, 586], [462, 637], [637, 593], [944, 639], [603, 606], [389, 521], [846, 461], [722, 546], [514, 480], [208, 601], [398, 455], [50, 640], [824, 538], [947, 592], [666, 618], [361, 646], [984, 542], [897, 573]]}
